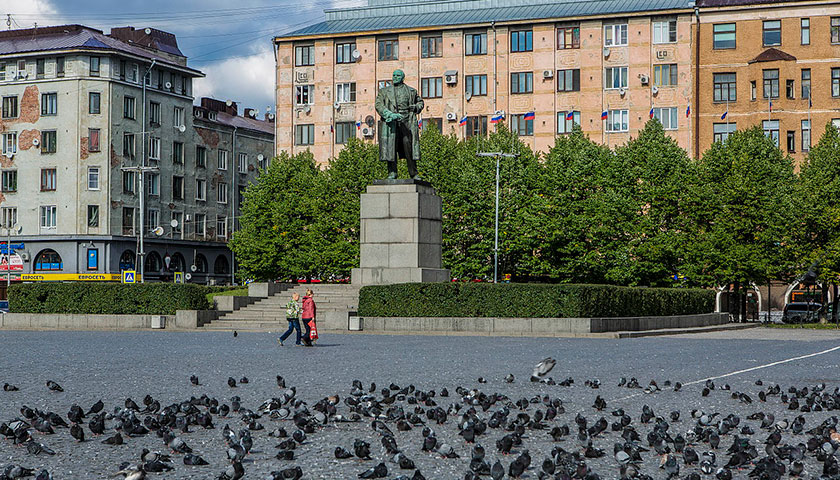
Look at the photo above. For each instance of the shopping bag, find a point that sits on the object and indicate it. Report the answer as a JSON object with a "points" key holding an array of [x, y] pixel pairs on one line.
{"points": [[313, 331]]}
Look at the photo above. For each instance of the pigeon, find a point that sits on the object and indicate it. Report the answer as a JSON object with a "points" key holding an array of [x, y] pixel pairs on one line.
{"points": [[244, 380], [194, 380], [233, 472], [231, 382], [281, 382], [132, 472], [44, 475], [342, 453], [36, 448], [235, 334], [542, 369], [77, 432], [7, 387], [96, 407], [509, 378], [115, 440], [379, 471], [193, 459], [497, 471], [362, 449], [54, 386]]}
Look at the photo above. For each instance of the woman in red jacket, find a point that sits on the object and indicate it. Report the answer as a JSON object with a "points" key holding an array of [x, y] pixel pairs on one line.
{"points": [[308, 315]]}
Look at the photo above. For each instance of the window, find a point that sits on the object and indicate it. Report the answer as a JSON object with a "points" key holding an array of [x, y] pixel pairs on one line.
{"points": [[835, 82], [243, 163], [48, 179], [40, 67], [128, 145], [568, 37], [48, 214], [384, 83], [9, 143], [616, 77], [93, 216], [93, 139], [789, 89], [304, 94], [791, 141], [431, 87], [665, 75], [771, 83], [152, 218], [568, 80], [94, 101], [665, 31], [154, 183], [48, 260], [93, 178], [475, 44], [772, 33], [200, 189], [668, 117], [133, 73], [805, 31], [177, 187], [128, 221], [752, 90], [59, 67], [835, 29], [521, 126], [566, 121], [389, 50], [617, 121], [200, 156], [344, 131], [9, 181], [805, 83], [222, 160], [10, 107], [49, 104], [724, 36], [154, 148], [154, 113], [178, 152], [344, 52], [222, 192], [431, 47], [345, 92], [200, 226], [435, 123], [304, 55], [178, 117], [9, 216], [48, 141], [304, 134], [129, 107], [221, 229], [262, 162], [806, 135], [94, 66], [771, 129], [475, 85], [476, 126], [615, 35], [2, 71], [129, 181], [522, 82], [122, 69], [521, 41], [725, 90]]}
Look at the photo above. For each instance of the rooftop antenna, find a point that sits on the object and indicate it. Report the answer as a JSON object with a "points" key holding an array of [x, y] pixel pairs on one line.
{"points": [[8, 21]]}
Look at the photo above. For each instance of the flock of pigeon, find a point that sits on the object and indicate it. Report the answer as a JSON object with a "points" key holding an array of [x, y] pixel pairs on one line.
{"points": [[486, 434]]}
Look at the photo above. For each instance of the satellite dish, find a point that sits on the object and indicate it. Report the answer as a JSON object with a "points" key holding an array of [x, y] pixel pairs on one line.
{"points": [[606, 51], [356, 54], [174, 223], [36, 142], [148, 31], [268, 109], [158, 231], [229, 103], [260, 157], [193, 268], [271, 116], [369, 121], [188, 276], [337, 105], [182, 128], [18, 229], [168, 85], [307, 109], [468, 96]]}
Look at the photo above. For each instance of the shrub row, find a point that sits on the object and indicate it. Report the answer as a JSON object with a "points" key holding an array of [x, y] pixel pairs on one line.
{"points": [[529, 300], [107, 298]]}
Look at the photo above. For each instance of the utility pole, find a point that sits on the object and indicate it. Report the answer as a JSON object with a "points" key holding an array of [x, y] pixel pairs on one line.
{"points": [[140, 170], [497, 156], [141, 253]]}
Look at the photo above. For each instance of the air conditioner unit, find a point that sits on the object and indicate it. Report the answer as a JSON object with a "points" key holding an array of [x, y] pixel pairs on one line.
{"points": [[548, 73], [36, 142], [606, 51], [622, 91], [451, 116], [367, 132], [450, 77], [654, 89], [644, 79]]}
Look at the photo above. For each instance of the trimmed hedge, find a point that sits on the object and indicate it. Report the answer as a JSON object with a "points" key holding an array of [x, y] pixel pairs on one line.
{"points": [[529, 300], [107, 298]]}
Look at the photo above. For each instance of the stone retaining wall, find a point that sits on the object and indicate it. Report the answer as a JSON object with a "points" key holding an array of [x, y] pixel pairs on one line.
{"points": [[43, 321]]}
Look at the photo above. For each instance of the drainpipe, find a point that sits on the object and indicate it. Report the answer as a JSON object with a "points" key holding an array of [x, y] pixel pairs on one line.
{"points": [[233, 199], [495, 59], [697, 84]]}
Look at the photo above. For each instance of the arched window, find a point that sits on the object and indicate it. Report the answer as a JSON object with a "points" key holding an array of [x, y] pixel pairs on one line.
{"points": [[200, 264], [127, 260], [178, 264], [221, 266], [48, 260], [153, 263]]}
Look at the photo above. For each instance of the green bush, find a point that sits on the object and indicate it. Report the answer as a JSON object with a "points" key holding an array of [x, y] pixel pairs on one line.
{"points": [[529, 300], [107, 298]]}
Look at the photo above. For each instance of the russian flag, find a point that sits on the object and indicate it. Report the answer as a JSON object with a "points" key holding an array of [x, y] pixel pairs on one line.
{"points": [[771, 106], [723, 117], [570, 115], [420, 124], [463, 121], [529, 116], [358, 125], [651, 113], [496, 119], [604, 115], [687, 111]]}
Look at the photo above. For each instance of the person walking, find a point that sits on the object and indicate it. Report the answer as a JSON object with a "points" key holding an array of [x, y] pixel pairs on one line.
{"points": [[308, 318], [293, 317]]}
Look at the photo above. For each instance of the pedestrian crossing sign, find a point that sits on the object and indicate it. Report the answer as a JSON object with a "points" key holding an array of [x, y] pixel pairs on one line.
{"points": [[129, 276], [179, 277]]}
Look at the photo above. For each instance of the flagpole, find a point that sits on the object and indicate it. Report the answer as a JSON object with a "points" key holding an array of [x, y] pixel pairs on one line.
{"points": [[727, 114]]}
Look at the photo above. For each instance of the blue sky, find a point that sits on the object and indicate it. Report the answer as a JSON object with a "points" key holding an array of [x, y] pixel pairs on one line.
{"points": [[229, 41]]}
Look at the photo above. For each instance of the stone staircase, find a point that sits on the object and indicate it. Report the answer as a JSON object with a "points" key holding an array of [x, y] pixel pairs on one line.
{"points": [[334, 303]]}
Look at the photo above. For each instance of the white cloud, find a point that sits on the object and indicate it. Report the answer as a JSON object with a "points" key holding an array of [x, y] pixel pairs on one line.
{"points": [[26, 14], [247, 80]]}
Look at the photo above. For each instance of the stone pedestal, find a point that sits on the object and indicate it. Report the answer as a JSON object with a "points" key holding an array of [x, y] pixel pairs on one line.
{"points": [[400, 234]]}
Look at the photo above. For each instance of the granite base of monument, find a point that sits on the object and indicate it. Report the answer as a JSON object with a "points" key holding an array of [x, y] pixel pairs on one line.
{"points": [[400, 238]]}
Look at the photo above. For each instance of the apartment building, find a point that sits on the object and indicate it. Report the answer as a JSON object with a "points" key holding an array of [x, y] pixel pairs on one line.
{"points": [[542, 67], [75, 128]]}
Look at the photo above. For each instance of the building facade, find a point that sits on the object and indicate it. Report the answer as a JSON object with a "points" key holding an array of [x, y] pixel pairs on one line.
{"points": [[608, 66], [75, 129]]}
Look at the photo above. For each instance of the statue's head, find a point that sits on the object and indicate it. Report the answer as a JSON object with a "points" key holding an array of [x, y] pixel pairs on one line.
{"points": [[398, 77]]}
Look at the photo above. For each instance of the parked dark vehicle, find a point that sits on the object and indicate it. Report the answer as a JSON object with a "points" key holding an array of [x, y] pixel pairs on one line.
{"points": [[801, 312]]}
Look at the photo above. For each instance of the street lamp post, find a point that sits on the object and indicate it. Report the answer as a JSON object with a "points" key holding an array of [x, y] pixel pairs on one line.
{"points": [[497, 156], [141, 252], [9, 253]]}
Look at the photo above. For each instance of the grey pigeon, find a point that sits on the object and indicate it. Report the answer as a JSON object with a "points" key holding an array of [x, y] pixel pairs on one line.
{"points": [[542, 369]]}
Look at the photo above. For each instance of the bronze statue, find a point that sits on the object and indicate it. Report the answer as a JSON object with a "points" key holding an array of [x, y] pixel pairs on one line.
{"points": [[399, 134]]}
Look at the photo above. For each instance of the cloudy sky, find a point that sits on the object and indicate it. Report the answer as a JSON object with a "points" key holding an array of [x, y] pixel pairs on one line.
{"points": [[229, 41]]}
